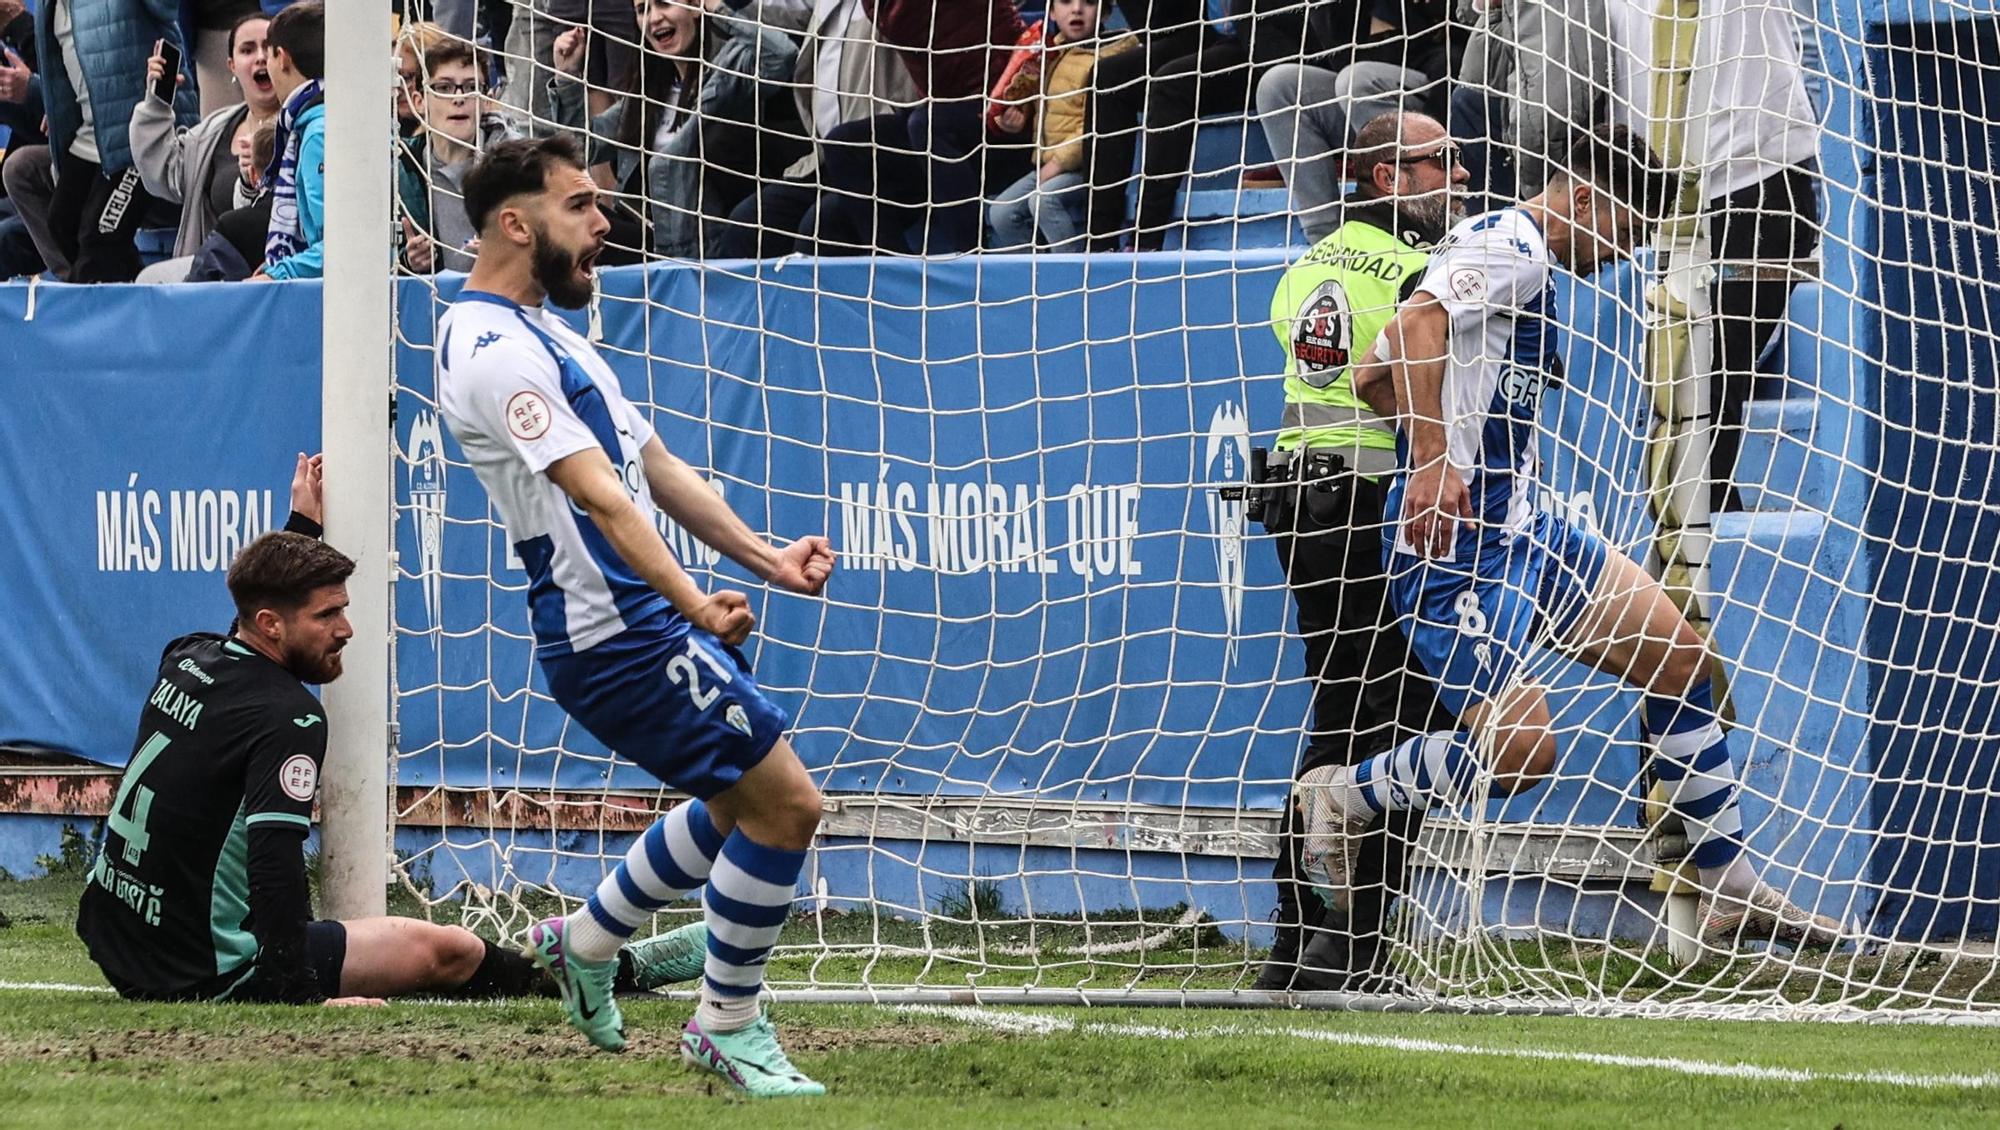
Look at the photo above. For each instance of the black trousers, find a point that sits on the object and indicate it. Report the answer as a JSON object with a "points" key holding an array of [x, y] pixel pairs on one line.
{"points": [[1773, 221], [766, 224], [93, 218], [1170, 81], [1369, 691], [923, 171]]}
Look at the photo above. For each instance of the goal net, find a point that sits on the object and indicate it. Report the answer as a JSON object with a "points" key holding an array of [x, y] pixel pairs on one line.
{"points": [[1055, 694]]}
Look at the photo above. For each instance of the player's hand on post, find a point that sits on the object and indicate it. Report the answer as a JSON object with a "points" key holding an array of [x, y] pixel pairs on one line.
{"points": [[804, 566], [725, 614], [354, 1002], [308, 487], [1435, 501]]}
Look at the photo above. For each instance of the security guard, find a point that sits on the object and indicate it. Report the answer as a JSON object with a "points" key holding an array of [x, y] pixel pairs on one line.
{"points": [[1320, 495]]}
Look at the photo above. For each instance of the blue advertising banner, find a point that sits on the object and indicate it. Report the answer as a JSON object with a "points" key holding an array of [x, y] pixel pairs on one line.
{"points": [[1041, 592], [146, 435]]}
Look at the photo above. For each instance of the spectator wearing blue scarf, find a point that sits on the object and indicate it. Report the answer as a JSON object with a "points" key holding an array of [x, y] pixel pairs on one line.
{"points": [[295, 246]]}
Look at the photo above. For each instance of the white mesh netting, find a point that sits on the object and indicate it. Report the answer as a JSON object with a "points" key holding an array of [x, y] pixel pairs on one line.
{"points": [[1055, 694]]}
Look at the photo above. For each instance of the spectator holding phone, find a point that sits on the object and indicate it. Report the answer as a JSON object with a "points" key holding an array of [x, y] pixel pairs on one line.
{"points": [[83, 217], [198, 168]]}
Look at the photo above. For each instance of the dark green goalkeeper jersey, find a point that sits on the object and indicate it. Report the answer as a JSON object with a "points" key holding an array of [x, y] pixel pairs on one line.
{"points": [[227, 759]]}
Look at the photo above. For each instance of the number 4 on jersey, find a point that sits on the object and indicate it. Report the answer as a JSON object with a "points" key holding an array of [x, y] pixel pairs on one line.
{"points": [[130, 822]]}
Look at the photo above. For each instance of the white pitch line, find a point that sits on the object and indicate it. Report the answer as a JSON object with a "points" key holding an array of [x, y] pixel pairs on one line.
{"points": [[1042, 1025], [50, 987]]}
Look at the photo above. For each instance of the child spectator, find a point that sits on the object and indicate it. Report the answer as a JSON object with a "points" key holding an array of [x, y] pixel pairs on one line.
{"points": [[436, 233], [1049, 82], [412, 44], [702, 86], [294, 246], [198, 168]]}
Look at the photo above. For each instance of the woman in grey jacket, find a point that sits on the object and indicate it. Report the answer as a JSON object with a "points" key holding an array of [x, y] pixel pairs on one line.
{"points": [[705, 89], [197, 168]]}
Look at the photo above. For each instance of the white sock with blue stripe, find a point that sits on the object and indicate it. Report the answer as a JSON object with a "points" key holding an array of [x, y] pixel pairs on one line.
{"points": [[670, 860], [1700, 783], [749, 894], [1425, 771]]}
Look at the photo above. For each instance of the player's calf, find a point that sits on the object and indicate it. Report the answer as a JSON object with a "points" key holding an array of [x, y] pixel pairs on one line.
{"points": [[395, 957], [1524, 754]]}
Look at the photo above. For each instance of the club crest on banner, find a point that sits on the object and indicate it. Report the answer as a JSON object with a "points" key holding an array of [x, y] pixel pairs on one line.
{"points": [[1227, 460], [423, 452]]}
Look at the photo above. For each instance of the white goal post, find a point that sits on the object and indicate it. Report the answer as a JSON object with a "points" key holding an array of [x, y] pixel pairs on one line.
{"points": [[357, 374]]}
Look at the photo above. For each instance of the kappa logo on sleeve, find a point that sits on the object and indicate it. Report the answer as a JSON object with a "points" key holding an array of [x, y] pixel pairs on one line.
{"points": [[298, 777], [528, 415]]}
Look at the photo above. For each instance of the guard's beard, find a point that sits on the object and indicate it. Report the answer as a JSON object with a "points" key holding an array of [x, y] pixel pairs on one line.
{"points": [[1430, 214]]}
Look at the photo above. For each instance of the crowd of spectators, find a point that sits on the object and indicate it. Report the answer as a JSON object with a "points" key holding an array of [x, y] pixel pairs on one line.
{"points": [[759, 128]]}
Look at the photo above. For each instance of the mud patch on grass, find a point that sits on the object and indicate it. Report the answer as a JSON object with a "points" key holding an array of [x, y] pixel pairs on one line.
{"points": [[425, 1042]]}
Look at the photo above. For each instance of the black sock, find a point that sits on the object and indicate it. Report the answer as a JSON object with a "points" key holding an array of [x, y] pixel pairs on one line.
{"points": [[505, 973]]}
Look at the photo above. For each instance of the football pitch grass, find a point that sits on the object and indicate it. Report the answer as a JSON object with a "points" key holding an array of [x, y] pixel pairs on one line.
{"points": [[72, 1057]]}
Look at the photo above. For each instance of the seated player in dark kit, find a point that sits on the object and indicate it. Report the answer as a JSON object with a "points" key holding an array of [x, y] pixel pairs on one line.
{"points": [[199, 891]]}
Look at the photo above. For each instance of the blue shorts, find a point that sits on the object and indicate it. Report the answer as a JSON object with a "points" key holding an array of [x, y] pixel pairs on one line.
{"points": [[1472, 628], [674, 700]]}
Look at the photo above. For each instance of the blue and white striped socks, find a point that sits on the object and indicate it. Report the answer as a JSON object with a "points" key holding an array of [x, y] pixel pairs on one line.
{"points": [[1700, 783], [749, 894], [670, 860], [1424, 772]]}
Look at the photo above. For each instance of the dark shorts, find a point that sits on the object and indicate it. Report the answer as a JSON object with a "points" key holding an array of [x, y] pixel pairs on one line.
{"points": [[673, 699], [326, 953]]}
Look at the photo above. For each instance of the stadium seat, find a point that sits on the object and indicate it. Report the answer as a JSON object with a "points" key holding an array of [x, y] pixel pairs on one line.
{"points": [[1777, 469], [1790, 367], [1225, 145], [1228, 218], [1220, 214]]}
